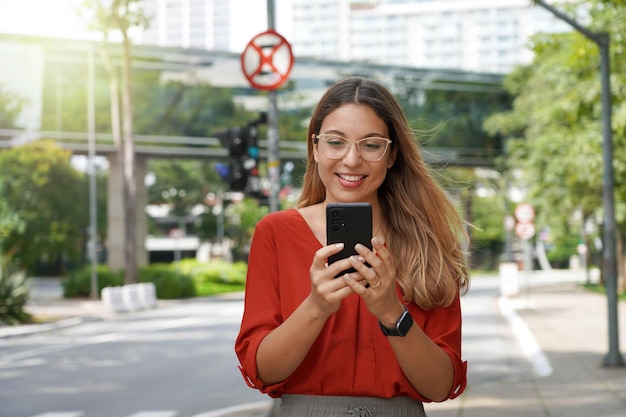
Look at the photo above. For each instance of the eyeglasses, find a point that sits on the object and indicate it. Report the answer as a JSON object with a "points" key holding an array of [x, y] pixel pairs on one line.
{"points": [[336, 147]]}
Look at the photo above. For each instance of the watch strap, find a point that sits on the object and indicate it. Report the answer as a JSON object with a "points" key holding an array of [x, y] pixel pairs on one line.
{"points": [[402, 327]]}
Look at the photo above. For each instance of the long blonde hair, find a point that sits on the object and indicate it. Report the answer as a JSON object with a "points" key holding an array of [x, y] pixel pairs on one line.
{"points": [[426, 228]]}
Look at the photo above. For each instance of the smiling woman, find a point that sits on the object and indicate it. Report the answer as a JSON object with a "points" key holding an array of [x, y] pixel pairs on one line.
{"points": [[42, 18]]}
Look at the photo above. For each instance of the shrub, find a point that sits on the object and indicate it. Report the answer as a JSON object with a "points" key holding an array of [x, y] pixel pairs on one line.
{"points": [[13, 297], [187, 278], [170, 282], [78, 284], [220, 272]]}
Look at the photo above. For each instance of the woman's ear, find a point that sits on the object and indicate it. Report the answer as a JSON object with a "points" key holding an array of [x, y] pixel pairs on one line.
{"points": [[315, 155]]}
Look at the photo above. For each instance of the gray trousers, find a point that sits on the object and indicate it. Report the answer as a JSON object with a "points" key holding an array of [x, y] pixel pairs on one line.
{"points": [[294, 405]]}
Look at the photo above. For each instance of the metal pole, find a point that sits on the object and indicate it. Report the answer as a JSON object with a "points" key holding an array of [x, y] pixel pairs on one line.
{"points": [[273, 159], [613, 357], [91, 135]]}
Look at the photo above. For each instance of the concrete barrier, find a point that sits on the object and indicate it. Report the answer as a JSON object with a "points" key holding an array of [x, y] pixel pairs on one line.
{"points": [[131, 297], [509, 279]]}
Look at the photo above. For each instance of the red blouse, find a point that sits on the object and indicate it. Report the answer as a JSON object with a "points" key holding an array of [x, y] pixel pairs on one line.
{"points": [[351, 356]]}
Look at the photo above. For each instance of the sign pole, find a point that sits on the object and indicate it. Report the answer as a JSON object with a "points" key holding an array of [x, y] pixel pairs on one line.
{"points": [[266, 62], [273, 158]]}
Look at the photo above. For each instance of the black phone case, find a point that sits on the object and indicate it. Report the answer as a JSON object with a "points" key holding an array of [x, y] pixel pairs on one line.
{"points": [[348, 223]]}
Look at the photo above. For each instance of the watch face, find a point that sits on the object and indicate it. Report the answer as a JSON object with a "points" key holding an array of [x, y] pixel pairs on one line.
{"points": [[402, 326], [405, 323]]}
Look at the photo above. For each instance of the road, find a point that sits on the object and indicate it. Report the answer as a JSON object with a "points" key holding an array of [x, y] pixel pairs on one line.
{"points": [[178, 360], [174, 361]]}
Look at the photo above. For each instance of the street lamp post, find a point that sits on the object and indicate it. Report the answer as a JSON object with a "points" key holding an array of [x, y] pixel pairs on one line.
{"points": [[613, 357]]}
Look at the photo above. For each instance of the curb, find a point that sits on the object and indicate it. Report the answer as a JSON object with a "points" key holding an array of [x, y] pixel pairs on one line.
{"points": [[530, 347], [29, 329]]}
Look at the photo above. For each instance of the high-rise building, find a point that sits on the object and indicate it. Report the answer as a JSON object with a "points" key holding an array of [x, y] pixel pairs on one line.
{"points": [[476, 35], [203, 24], [470, 35]]}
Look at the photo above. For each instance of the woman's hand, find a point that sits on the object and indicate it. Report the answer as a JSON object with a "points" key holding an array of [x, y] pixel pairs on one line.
{"points": [[380, 295], [326, 290]]}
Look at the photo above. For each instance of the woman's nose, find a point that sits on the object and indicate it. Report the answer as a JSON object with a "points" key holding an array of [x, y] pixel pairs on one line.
{"points": [[352, 157]]}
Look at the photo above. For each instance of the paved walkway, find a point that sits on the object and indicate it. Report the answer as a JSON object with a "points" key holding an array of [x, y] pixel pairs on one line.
{"points": [[563, 331], [570, 327]]}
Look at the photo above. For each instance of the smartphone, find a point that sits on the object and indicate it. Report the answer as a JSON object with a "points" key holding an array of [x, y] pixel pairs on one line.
{"points": [[348, 223]]}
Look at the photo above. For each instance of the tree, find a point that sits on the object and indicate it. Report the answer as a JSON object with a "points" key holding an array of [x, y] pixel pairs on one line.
{"points": [[554, 131], [242, 218], [48, 203], [120, 16]]}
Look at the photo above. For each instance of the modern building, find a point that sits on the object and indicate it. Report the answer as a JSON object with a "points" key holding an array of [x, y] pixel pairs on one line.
{"points": [[478, 35], [204, 24]]}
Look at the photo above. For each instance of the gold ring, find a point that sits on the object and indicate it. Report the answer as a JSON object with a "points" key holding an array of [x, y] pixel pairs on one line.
{"points": [[377, 285]]}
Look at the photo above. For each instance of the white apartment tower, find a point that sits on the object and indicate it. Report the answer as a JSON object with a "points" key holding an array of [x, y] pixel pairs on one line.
{"points": [[225, 25], [469, 35]]}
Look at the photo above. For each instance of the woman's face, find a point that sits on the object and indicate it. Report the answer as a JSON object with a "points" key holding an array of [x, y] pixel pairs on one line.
{"points": [[351, 178]]}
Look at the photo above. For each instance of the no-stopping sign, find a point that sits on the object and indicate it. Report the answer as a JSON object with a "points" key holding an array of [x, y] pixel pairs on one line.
{"points": [[267, 60]]}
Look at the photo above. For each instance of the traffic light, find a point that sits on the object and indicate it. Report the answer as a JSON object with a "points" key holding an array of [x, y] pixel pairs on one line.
{"points": [[233, 139], [243, 147], [238, 176]]}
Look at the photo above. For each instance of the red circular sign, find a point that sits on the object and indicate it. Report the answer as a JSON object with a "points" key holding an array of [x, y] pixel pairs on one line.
{"points": [[267, 60], [525, 230], [524, 212]]}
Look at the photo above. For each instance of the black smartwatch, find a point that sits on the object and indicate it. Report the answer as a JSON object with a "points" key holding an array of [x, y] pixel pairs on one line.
{"points": [[403, 325]]}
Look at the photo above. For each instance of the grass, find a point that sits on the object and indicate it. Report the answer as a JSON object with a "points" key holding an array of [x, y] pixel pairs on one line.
{"points": [[600, 289], [213, 288]]}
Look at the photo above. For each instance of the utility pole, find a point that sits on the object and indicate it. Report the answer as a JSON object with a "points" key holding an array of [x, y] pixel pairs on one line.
{"points": [[613, 358], [273, 159]]}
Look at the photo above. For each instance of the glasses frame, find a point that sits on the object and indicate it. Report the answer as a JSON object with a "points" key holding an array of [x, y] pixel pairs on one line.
{"points": [[316, 138]]}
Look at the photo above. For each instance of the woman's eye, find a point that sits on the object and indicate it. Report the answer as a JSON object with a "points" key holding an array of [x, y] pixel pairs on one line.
{"points": [[337, 142]]}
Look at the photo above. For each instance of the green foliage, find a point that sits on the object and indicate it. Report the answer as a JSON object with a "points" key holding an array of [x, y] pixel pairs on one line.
{"points": [[554, 130], [457, 117], [78, 283], [215, 271], [170, 282], [182, 184], [562, 250], [487, 233], [46, 192], [10, 221], [241, 221], [13, 297], [215, 277]]}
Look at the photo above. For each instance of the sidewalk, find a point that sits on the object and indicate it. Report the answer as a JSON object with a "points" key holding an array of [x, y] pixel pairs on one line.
{"points": [[568, 324]]}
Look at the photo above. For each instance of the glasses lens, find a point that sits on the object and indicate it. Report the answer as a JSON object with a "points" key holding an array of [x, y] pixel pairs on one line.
{"points": [[372, 149], [336, 147]]}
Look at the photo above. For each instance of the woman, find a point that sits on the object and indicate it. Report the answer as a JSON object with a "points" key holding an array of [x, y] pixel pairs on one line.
{"points": [[388, 336]]}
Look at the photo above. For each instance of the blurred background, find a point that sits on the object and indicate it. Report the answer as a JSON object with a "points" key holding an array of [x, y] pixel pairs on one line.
{"points": [[131, 137]]}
